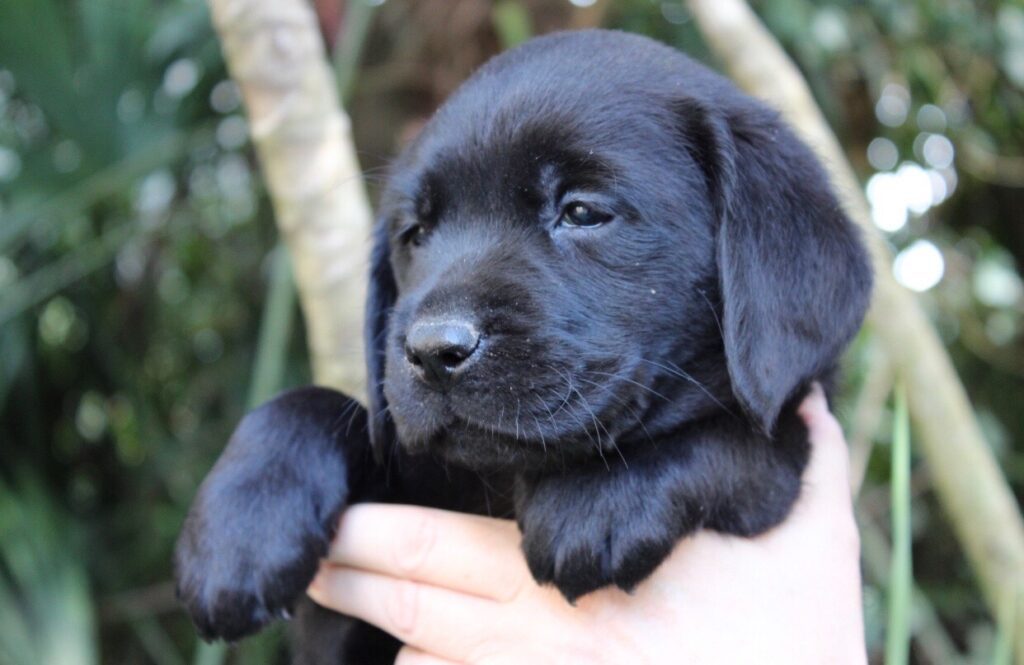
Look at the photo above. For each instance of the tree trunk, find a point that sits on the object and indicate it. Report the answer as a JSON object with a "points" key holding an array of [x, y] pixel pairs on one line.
{"points": [[274, 52]]}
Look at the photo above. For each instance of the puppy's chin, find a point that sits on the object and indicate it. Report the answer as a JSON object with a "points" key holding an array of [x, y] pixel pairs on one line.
{"points": [[479, 449]]}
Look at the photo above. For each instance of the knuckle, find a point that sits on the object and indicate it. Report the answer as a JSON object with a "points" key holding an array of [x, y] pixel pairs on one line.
{"points": [[415, 545]]}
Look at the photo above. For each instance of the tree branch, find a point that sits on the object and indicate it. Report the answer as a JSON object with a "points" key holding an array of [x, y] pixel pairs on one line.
{"points": [[303, 139]]}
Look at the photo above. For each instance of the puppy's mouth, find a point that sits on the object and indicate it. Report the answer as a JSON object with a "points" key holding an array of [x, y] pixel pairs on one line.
{"points": [[584, 414]]}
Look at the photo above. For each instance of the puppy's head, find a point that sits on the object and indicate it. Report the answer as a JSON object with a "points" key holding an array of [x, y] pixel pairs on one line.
{"points": [[593, 242]]}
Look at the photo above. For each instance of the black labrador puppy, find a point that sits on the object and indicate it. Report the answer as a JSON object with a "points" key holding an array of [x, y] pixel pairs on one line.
{"points": [[603, 280]]}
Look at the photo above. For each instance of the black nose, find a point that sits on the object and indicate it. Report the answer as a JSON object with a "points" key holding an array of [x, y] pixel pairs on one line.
{"points": [[438, 348]]}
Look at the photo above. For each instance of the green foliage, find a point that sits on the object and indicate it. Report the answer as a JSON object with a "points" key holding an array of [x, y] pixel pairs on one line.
{"points": [[901, 576], [143, 304], [133, 245], [511, 22], [46, 611]]}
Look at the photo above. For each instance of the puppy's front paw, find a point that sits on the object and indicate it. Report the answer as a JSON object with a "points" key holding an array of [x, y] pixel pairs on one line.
{"points": [[237, 572], [264, 517], [581, 534]]}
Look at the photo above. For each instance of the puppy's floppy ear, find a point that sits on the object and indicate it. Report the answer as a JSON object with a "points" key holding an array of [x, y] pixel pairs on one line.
{"points": [[794, 277], [380, 300]]}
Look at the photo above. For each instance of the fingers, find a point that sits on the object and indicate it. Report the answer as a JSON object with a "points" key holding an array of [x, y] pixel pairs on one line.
{"points": [[825, 500], [829, 464], [431, 619], [474, 555]]}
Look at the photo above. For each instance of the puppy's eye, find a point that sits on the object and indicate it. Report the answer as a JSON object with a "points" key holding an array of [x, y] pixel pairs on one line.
{"points": [[413, 235], [583, 216]]}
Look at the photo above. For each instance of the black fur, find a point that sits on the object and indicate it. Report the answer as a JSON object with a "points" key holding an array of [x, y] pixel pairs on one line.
{"points": [[637, 378]]}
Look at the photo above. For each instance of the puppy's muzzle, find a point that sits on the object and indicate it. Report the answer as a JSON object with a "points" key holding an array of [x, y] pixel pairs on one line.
{"points": [[441, 349]]}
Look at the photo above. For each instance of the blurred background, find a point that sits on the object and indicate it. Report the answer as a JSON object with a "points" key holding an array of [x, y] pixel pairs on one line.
{"points": [[137, 248]]}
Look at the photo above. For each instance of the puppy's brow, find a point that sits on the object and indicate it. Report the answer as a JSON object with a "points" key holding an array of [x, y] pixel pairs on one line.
{"points": [[428, 196], [548, 178], [423, 204]]}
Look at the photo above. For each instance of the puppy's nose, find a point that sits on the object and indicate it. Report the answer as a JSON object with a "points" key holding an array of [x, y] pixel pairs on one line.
{"points": [[438, 348]]}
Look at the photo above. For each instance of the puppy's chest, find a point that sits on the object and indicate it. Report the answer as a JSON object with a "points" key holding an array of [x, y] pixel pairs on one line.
{"points": [[451, 488]]}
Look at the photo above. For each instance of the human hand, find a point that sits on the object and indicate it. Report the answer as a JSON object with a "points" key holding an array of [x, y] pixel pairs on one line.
{"points": [[455, 588]]}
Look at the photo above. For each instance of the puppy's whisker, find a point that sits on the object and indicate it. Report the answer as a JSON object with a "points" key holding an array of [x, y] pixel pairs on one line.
{"points": [[675, 370], [623, 377], [618, 401], [518, 406], [350, 412], [618, 451], [714, 313], [540, 432], [551, 416], [580, 419], [568, 394], [640, 422], [597, 428], [703, 388]]}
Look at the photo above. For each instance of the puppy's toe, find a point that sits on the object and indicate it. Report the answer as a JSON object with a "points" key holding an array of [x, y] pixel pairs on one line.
{"points": [[229, 615], [233, 591], [576, 560], [586, 569], [595, 551], [540, 555], [230, 602], [634, 559], [229, 608]]}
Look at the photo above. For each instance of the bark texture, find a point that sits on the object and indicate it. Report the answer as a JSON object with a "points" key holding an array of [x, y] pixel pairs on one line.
{"points": [[275, 53]]}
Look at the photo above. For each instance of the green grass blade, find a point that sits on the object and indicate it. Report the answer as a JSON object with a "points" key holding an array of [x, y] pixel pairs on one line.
{"points": [[158, 645], [46, 612], [512, 23], [1003, 651], [50, 279], [210, 654], [349, 49], [275, 330], [901, 577], [114, 179], [267, 376]]}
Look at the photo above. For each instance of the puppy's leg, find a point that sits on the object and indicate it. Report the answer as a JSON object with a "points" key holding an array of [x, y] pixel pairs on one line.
{"points": [[591, 527], [267, 511]]}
